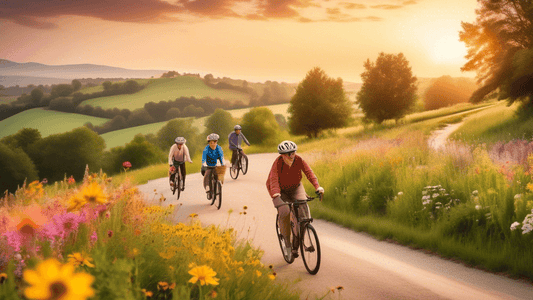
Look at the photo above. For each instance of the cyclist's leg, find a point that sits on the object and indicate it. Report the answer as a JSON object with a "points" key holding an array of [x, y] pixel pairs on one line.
{"points": [[233, 156], [183, 173], [284, 219], [207, 176], [299, 194]]}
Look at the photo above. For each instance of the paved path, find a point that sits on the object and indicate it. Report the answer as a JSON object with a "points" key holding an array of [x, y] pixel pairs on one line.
{"points": [[365, 267]]}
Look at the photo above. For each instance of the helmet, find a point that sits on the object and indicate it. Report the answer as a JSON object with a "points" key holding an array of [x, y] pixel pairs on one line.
{"points": [[237, 127], [213, 137], [286, 147], [180, 140]]}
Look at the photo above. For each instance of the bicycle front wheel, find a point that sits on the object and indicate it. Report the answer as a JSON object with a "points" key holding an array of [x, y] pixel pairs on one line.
{"points": [[286, 252], [244, 164], [234, 172], [310, 249], [218, 195]]}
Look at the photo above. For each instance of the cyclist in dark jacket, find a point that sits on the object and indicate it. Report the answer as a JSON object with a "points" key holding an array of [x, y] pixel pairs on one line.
{"points": [[235, 139]]}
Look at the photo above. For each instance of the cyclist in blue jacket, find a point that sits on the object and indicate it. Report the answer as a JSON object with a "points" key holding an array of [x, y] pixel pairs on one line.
{"points": [[212, 153]]}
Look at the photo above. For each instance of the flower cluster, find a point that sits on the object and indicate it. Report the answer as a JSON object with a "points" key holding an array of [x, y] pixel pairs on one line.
{"points": [[436, 201]]}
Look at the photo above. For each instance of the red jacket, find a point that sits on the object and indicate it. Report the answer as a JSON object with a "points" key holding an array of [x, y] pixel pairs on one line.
{"points": [[283, 178]]}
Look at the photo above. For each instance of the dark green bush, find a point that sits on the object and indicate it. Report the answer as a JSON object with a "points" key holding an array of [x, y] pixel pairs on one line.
{"points": [[15, 167]]}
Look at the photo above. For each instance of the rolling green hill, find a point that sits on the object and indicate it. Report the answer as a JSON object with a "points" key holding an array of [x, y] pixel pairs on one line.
{"points": [[164, 89], [46, 121]]}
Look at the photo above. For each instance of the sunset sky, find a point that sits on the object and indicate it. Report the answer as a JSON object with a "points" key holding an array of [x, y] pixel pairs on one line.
{"points": [[256, 40]]}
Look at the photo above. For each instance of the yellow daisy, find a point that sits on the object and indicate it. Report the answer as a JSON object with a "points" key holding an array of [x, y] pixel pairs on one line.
{"points": [[53, 280], [77, 259], [204, 274]]}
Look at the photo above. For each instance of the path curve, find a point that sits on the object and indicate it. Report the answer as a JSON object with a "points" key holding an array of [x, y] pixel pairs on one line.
{"points": [[365, 267]]}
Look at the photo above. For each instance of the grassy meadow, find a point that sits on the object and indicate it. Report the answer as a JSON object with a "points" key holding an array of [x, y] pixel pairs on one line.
{"points": [[46, 121], [100, 88], [165, 89]]}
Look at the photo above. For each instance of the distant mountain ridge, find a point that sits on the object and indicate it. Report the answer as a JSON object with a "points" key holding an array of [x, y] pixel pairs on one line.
{"points": [[13, 73]]}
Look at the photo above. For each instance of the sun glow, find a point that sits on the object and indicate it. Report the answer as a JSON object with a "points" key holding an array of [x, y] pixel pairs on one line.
{"points": [[448, 49]]}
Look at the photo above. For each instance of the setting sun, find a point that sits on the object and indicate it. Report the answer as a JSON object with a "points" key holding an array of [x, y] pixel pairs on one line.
{"points": [[448, 49]]}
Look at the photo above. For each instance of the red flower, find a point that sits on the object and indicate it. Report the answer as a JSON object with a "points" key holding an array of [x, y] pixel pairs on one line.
{"points": [[71, 180], [126, 164]]}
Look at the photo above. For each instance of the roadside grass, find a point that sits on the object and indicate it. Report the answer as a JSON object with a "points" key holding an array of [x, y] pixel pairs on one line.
{"points": [[456, 202], [165, 89], [497, 124], [46, 121]]}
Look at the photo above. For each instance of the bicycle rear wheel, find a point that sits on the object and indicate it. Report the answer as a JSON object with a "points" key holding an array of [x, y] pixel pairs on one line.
{"points": [[286, 252], [218, 195], [244, 164], [310, 249]]}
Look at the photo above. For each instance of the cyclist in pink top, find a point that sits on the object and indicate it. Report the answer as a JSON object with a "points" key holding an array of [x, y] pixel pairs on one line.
{"points": [[284, 185]]}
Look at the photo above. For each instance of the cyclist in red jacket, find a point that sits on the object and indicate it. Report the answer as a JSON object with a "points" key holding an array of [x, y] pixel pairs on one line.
{"points": [[284, 185]]}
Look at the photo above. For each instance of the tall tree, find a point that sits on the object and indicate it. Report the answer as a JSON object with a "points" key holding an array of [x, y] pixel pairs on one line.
{"points": [[220, 122], [389, 88], [319, 103], [499, 46]]}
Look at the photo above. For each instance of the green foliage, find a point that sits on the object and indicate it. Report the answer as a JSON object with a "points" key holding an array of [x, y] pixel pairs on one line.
{"points": [[319, 103], [261, 126], [389, 88], [61, 90], [192, 110], [16, 167], [179, 127], [139, 152], [499, 49], [62, 104], [76, 85], [220, 122], [36, 95], [172, 113], [22, 139], [67, 154]]}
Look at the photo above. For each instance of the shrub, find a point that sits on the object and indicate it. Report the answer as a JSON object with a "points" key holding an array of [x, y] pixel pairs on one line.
{"points": [[16, 167], [220, 122], [22, 139], [178, 127], [261, 126], [139, 152], [67, 154]]}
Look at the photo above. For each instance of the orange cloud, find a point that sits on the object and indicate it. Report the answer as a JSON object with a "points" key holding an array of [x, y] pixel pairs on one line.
{"points": [[41, 13]]}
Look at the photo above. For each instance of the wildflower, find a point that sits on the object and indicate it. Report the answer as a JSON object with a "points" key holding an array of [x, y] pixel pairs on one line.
{"points": [[514, 226], [162, 285], [53, 280], [94, 237], [3, 277], [272, 275], [400, 193], [172, 286], [71, 180], [340, 288], [77, 259], [137, 232], [204, 274], [270, 267], [258, 273], [147, 293], [245, 207], [193, 215], [91, 193], [126, 165], [135, 251], [110, 233], [44, 181], [213, 294], [478, 207]]}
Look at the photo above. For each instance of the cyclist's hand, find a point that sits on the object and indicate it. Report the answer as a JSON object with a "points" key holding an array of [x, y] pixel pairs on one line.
{"points": [[320, 190], [204, 164], [172, 169]]}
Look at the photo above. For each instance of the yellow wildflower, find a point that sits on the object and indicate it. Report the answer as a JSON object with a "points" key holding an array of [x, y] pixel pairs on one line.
{"points": [[77, 259], [272, 275], [3, 277], [204, 274], [53, 280], [213, 294], [162, 285], [258, 273], [147, 293], [193, 215]]}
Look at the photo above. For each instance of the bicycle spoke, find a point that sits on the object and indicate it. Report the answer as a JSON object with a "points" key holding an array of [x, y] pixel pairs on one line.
{"points": [[310, 249]]}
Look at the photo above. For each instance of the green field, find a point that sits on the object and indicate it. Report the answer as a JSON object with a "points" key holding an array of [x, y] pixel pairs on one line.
{"points": [[48, 122], [165, 89]]}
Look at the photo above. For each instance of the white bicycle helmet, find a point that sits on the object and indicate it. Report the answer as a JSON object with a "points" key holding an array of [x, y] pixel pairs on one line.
{"points": [[237, 127], [213, 137], [180, 140], [286, 147]]}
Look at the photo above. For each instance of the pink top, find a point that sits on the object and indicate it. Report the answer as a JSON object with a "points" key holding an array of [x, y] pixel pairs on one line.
{"points": [[284, 177]]}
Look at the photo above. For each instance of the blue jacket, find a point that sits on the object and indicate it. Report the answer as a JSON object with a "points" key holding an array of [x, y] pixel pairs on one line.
{"points": [[210, 156]]}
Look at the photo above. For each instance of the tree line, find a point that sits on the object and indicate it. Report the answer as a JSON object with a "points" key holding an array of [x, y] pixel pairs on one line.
{"points": [[26, 155]]}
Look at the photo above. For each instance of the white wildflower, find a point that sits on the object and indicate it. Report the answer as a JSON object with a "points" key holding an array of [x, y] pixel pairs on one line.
{"points": [[514, 226]]}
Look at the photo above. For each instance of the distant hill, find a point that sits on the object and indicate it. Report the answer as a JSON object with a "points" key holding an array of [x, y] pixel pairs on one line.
{"points": [[13, 73]]}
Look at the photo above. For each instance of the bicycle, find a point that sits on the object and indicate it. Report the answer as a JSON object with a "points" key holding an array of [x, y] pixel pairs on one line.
{"points": [[241, 164], [215, 187], [303, 236], [179, 184]]}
